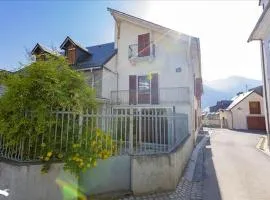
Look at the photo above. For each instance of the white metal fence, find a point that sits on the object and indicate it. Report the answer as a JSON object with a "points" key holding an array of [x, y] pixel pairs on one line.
{"points": [[133, 131]]}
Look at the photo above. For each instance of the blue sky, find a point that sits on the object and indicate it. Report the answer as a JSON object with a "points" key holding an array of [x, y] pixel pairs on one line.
{"points": [[222, 26], [26, 23]]}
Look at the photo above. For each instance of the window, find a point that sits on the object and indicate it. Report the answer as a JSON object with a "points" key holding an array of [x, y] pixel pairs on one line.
{"points": [[254, 107], [144, 45], [143, 84], [143, 89]]}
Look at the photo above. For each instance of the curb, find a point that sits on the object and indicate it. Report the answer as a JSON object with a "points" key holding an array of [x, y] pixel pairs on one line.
{"points": [[262, 145], [193, 159]]}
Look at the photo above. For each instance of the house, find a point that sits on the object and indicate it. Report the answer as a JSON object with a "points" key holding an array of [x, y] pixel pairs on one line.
{"points": [[246, 112], [150, 77], [220, 105], [97, 63], [147, 67], [157, 68], [261, 33]]}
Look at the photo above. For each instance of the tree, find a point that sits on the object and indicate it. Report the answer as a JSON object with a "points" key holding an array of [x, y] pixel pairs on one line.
{"points": [[26, 107]]}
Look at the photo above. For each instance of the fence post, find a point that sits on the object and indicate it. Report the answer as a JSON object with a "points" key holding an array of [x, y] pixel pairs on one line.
{"points": [[131, 131]]}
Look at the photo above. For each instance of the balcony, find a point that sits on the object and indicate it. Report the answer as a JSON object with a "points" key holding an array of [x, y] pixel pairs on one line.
{"points": [[167, 96], [136, 54]]}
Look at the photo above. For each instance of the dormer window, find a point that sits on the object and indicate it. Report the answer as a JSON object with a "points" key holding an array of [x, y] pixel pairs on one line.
{"points": [[40, 52], [74, 51]]}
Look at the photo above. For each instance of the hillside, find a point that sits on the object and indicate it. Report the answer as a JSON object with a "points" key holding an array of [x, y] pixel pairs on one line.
{"points": [[223, 89]]}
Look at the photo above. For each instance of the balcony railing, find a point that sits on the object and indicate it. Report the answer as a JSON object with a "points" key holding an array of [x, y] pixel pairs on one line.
{"points": [[134, 52], [174, 95]]}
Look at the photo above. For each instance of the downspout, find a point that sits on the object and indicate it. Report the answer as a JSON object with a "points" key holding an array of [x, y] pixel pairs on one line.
{"points": [[232, 117], [265, 90]]}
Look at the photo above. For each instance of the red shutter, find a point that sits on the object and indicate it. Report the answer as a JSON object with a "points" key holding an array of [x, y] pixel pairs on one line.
{"points": [[144, 45], [154, 89], [132, 89], [198, 88]]}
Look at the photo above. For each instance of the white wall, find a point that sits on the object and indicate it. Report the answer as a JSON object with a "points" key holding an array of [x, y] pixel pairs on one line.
{"points": [[241, 111], [109, 78], [171, 52]]}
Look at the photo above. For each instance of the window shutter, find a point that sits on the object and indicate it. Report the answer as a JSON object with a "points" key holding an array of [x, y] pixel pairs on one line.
{"points": [[154, 89], [132, 90], [144, 45]]}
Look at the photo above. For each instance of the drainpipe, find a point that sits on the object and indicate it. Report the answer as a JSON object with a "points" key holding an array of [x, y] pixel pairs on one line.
{"points": [[232, 118], [265, 91]]}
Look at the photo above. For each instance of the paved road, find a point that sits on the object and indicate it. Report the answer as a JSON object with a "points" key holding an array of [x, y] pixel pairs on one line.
{"points": [[234, 168]]}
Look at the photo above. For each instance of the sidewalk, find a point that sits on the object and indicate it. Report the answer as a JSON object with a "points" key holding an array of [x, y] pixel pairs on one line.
{"points": [[191, 185]]}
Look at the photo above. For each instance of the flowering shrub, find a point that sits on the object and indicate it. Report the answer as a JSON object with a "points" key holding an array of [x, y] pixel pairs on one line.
{"points": [[81, 155]]}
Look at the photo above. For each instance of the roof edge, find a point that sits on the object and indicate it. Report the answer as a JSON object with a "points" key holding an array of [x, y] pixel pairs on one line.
{"points": [[140, 20], [251, 36]]}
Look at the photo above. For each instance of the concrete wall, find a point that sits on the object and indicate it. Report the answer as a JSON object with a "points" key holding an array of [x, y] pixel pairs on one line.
{"points": [[211, 123], [110, 175], [27, 182], [159, 172]]}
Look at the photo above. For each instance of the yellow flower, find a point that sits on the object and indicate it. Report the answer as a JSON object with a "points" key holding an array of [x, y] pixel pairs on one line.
{"points": [[47, 159], [43, 145], [95, 163], [49, 154]]}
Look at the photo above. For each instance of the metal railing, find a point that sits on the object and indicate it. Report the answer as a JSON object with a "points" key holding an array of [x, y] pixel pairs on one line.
{"points": [[173, 95], [133, 131], [134, 52]]}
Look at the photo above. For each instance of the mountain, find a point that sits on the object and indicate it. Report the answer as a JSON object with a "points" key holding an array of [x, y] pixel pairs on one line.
{"points": [[225, 89]]}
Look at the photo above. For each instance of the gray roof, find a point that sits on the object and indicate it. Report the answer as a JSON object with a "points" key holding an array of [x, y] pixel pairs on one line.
{"points": [[44, 48], [100, 55], [238, 99], [75, 43]]}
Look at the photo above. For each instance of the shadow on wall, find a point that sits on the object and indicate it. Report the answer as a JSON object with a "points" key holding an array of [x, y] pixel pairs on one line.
{"points": [[211, 186]]}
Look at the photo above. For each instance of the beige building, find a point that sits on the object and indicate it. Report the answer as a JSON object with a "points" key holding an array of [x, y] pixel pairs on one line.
{"points": [[246, 112]]}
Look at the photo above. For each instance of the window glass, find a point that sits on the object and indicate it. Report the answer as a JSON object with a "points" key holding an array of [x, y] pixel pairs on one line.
{"points": [[143, 84]]}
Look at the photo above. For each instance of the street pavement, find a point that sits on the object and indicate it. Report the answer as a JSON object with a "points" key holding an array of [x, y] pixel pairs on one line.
{"points": [[234, 168], [229, 167]]}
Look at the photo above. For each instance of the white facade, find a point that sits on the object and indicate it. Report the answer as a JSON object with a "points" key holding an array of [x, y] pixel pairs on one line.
{"points": [[236, 117], [175, 57], [261, 32]]}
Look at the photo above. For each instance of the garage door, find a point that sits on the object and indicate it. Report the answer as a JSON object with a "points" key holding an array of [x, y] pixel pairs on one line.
{"points": [[256, 123]]}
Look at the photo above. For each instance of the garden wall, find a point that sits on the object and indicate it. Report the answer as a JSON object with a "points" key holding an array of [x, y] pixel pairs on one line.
{"points": [[26, 182]]}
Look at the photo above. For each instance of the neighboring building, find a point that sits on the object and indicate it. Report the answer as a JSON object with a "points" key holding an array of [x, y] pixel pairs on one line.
{"points": [[97, 63], [261, 32], [223, 104], [246, 112]]}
